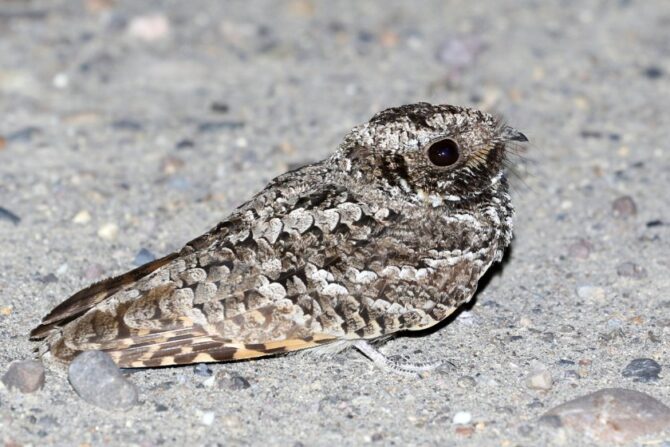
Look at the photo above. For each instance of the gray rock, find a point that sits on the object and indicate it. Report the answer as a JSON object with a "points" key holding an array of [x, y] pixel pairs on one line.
{"points": [[466, 382], [624, 206], [580, 249], [238, 383], [96, 379], [642, 370], [232, 381], [631, 270], [611, 415], [26, 376]]}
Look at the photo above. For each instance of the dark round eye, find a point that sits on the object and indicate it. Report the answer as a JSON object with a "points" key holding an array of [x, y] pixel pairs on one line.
{"points": [[444, 152]]}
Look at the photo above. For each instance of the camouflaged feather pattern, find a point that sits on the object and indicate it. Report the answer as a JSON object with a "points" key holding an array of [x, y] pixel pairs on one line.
{"points": [[372, 241]]}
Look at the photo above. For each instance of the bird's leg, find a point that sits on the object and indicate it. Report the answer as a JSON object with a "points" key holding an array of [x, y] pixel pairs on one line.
{"points": [[387, 364]]}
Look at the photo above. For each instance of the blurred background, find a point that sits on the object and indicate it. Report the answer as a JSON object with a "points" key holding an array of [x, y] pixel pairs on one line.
{"points": [[129, 127]]}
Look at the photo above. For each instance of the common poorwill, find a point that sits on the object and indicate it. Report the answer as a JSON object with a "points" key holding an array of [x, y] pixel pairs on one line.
{"points": [[390, 233]]}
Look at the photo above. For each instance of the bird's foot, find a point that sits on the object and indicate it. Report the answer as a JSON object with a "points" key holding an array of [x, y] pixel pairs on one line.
{"points": [[392, 365]]}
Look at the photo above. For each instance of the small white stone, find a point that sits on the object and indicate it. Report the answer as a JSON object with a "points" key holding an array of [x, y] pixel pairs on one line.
{"points": [[149, 28], [539, 380], [525, 322], [108, 231], [207, 418], [82, 217], [462, 418], [591, 293], [61, 81], [62, 269]]}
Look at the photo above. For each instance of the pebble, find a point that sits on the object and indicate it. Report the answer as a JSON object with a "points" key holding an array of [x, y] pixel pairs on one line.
{"points": [[149, 28], [540, 380], [82, 217], [202, 369], [219, 107], [591, 293], [24, 135], [611, 415], [5, 214], [207, 417], [466, 382], [48, 279], [209, 382], [624, 206], [108, 231], [217, 126], [565, 362], [143, 256], [231, 381], [171, 164], [27, 376], [631, 270], [462, 418], [653, 72], [465, 431], [566, 328], [127, 125], [96, 379], [580, 249], [642, 370], [61, 80], [238, 383], [571, 374], [185, 144]]}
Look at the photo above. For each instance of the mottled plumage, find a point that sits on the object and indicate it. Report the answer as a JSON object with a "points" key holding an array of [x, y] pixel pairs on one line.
{"points": [[374, 240]]}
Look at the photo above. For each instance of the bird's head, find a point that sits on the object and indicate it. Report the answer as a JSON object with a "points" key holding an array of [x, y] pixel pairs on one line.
{"points": [[428, 152]]}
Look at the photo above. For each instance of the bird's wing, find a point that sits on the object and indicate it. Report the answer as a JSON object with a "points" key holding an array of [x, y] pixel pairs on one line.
{"points": [[285, 272], [242, 290]]}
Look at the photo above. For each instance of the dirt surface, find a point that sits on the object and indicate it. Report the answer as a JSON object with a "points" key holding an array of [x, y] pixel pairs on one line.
{"points": [[138, 125]]}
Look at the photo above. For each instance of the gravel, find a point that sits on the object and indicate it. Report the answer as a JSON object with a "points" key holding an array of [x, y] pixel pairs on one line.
{"points": [[161, 117]]}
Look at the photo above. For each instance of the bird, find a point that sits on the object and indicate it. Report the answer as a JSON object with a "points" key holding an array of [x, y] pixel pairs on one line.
{"points": [[389, 234]]}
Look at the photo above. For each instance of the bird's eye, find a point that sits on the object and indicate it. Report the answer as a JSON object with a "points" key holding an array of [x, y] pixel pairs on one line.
{"points": [[443, 152]]}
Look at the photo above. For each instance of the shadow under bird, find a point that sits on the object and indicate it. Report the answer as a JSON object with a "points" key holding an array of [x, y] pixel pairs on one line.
{"points": [[390, 233]]}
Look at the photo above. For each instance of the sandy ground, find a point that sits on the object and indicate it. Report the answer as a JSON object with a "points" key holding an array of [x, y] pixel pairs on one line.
{"points": [[130, 125]]}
